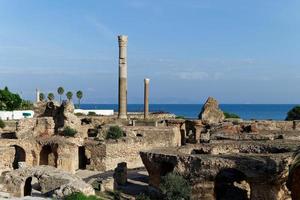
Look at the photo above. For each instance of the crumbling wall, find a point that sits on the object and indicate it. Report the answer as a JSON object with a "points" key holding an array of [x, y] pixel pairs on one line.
{"points": [[35, 127], [7, 155]]}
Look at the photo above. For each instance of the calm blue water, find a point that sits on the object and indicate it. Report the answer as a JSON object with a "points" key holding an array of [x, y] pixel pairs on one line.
{"points": [[245, 111]]}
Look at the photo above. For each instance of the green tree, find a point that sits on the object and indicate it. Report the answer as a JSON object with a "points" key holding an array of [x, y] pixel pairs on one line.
{"points": [[42, 96], [51, 96], [9, 101], [60, 91], [293, 114], [79, 96], [69, 95]]}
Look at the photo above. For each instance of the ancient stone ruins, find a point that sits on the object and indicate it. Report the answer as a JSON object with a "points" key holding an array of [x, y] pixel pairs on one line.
{"points": [[228, 159]]}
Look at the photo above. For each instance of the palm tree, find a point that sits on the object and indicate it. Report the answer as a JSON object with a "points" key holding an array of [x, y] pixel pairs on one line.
{"points": [[42, 96], [79, 96], [51, 96], [60, 91], [69, 95]]}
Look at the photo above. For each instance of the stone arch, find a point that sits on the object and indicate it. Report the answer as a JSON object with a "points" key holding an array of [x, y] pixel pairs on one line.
{"points": [[231, 184], [20, 156], [27, 187], [48, 155]]}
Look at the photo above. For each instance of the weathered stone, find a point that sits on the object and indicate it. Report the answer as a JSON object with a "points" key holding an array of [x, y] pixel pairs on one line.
{"points": [[120, 174], [51, 180], [35, 127], [211, 112]]}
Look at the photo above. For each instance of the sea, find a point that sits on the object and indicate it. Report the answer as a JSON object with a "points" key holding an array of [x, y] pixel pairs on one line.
{"points": [[191, 111]]}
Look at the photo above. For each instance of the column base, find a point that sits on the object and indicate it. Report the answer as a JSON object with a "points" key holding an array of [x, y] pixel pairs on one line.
{"points": [[122, 116]]}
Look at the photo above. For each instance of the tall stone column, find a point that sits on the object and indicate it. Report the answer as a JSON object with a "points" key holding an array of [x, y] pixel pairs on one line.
{"points": [[146, 97], [37, 97], [122, 76]]}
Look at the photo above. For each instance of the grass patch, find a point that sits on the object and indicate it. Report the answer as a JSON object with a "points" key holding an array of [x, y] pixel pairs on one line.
{"points": [[81, 196]]}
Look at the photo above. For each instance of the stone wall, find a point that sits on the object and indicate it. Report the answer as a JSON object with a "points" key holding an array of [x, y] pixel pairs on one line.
{"points": [[7, 155], [104, 156]]}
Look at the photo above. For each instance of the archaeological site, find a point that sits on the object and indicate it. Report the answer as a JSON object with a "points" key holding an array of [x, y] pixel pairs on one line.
{"points": [[127, 155]]}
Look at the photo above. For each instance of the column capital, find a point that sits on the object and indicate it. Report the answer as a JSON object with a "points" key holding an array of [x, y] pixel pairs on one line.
{"points": [[123, 39], [147, 80]]}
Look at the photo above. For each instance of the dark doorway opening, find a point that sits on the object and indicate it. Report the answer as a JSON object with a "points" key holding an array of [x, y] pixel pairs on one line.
{"points": [[165, 168], [231, 184], [20, 156], [83, 160], [48, 156], [28, 187]]}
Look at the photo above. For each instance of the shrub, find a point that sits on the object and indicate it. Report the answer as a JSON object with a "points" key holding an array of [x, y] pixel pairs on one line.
{"points": [[2, 124], [68, 131], [80, 196], [293, 114], [114, 132], [179, 117], [142, 197], [174, 187], [231, 115], [92, 114]]}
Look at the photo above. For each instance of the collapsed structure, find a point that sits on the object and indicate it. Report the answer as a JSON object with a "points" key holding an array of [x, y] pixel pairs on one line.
{"points": [[229, 159]]}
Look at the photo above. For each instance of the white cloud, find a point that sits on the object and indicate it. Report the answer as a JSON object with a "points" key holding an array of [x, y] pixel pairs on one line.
{"points": [[192, 75]]}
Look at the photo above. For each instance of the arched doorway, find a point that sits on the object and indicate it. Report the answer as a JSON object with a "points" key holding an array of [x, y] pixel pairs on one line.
{"points": [[48, 155], [28, 187], [20, 156], [231, 184]]}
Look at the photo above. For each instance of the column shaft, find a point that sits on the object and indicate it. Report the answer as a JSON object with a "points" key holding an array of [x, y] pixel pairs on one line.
{"points": [[146, 98], [122, 76]]}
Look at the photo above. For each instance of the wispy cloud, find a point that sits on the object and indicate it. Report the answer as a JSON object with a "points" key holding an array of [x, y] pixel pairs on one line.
{"points": [[101, 27]]}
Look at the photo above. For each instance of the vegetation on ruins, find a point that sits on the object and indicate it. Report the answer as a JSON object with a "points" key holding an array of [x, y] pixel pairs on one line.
{"points": [[79, 96], [114, 132], [69, 132], [142, 197], [174, 187], [91, 113], [50, 96], [60, 91], [9, 101], [231, 115], [69, 95], [179, 117], [293, 114], [42, 97], [2, 124], [80, 196]]}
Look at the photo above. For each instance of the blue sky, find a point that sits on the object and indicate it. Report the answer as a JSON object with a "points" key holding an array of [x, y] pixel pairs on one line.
{"points": [[239, 51]]}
